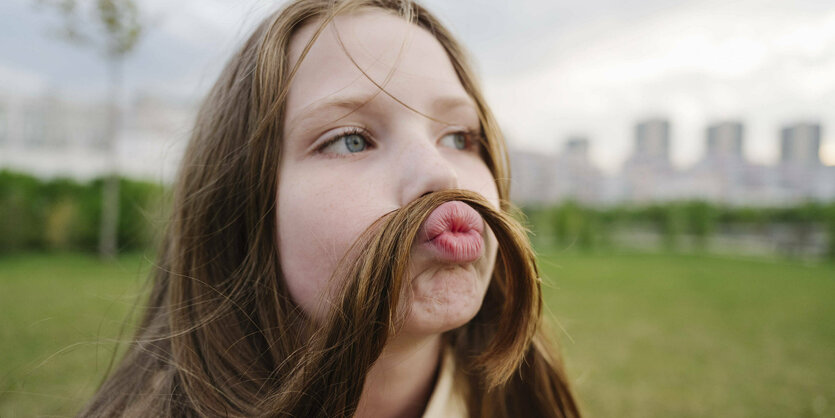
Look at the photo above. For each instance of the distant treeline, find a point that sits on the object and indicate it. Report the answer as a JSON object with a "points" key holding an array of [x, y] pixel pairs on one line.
{"points": [[63, 214], [688, 225]]}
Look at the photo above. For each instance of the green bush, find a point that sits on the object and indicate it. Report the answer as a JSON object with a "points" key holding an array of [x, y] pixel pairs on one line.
{"points": [[700, 222], [63, 214], [571, 225], [575, 225], [19, 210]]}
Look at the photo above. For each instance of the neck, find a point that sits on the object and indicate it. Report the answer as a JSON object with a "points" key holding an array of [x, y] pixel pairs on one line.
{"points": [[401, 380]]}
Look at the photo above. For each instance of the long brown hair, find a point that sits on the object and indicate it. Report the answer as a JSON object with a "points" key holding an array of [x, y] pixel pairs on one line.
{"points": [[220, 334]]}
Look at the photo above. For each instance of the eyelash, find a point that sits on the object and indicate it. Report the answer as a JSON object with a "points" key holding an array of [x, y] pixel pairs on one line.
{"points": [[474, 138], [342, 134]]}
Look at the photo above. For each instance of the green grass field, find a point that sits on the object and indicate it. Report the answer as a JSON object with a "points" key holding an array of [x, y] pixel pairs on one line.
{"points": [[643, 335]]}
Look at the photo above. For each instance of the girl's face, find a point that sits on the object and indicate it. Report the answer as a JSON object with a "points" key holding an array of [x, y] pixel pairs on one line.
{"points": [[353, 152]]}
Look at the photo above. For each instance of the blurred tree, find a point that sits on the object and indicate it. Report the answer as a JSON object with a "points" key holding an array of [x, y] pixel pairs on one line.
{"points": [[700, 222], [575, 224], [829, 220], [669, 220], [114, 33]]}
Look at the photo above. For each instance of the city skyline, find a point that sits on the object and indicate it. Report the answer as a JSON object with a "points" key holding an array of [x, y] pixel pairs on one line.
{"points": [[723, 173]]}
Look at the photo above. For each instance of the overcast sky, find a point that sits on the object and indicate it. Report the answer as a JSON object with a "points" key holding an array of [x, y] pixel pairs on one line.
{"points": [[551, 69]]}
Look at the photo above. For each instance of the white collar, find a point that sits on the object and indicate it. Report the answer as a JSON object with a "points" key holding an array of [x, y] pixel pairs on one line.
{"points": [[448, 398]]}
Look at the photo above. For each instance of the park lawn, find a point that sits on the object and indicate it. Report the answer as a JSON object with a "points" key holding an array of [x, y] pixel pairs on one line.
{"points": [[649, 335], [61, 314], [644, 335]]}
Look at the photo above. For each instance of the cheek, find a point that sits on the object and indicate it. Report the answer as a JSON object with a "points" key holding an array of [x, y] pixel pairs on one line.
{"points": [[317, 223], [475, 176]]}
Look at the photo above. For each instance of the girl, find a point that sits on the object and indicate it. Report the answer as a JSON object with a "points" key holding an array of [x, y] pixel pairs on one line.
{"points": [[340, 244]]}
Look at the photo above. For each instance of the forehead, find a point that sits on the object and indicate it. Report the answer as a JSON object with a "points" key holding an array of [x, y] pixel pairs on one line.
{"points": [[358, 53]]}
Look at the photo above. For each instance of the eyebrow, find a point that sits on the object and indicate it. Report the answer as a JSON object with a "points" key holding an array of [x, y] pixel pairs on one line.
{"points": [[353, 103], [349, 104]]}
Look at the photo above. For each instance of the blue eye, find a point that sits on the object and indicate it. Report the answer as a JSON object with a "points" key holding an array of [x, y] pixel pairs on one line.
{"points": [[345, 144], [354, 143], [457, 140]]}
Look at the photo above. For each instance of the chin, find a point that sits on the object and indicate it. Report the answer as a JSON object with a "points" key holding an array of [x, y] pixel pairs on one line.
{"points": [[444, 298]]}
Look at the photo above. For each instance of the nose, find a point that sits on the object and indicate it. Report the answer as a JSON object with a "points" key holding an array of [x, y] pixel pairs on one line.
{"points": [[424, 169]]}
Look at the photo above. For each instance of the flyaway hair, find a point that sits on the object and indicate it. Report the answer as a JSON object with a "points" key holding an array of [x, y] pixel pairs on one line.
{"points": [[322, 371]]}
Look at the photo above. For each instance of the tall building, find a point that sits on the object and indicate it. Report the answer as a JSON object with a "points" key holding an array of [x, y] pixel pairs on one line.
{"points": [[577, 149], [648, 171], [800, 144], [531, 177], [574, 176], [723, 174], [652, 139], [52, 136], [724, 140]]}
